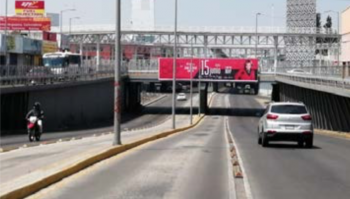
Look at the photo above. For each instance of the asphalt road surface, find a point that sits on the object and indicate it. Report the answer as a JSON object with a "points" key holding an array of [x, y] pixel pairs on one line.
{"points": [[152, 115], [193, 164], [284, 170]]}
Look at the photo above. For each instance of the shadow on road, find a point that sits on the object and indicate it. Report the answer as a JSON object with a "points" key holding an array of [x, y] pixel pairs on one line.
{"points": [[290, 146]]}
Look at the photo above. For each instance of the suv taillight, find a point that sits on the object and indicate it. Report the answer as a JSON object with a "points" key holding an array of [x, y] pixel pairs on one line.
{"points": [[306, 117], [272, 117]]}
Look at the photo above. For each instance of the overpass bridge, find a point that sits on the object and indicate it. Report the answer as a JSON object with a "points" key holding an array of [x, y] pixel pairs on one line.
{"points": [[320, 87]]}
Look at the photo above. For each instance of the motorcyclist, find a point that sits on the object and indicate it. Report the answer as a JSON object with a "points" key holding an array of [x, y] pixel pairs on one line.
{"points": [[37, 112]]}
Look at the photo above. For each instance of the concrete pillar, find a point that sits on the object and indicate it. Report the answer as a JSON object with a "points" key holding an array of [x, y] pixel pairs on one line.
{"points": [[81, 52], [133, 96], [275, 54], [204, 98], [98, 53], [216, 87], [275, 92]]}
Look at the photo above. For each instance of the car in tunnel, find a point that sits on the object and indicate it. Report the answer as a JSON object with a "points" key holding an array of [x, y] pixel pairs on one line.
{"points": [[181, 97], [286, 121]]}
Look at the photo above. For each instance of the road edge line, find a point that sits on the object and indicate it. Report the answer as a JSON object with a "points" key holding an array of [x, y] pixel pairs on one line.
{"points": [[155, 100], [232, 183], [247, 185], [28, 190]]}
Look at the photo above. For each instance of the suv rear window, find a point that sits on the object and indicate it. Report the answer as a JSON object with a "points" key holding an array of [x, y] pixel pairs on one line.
{"points": [[288, 109]]}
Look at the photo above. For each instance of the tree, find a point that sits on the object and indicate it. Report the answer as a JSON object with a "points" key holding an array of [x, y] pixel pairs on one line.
{"points": [[328, 24], [318, 20]]}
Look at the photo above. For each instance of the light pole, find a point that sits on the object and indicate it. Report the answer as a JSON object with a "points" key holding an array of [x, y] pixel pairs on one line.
{"points": [[70, 24], [63, 11], [117, 110], [338, 15], [6, 24], [256, 35], [191, 91], [174, 68]]}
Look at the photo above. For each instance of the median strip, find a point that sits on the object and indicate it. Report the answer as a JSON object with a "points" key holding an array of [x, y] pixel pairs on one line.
{"points": [[36, 185]]}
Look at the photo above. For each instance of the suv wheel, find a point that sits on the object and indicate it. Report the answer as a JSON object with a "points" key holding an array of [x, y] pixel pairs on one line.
{"points": [[300, 143], [265, 141], [259, 138], [309, 143]]}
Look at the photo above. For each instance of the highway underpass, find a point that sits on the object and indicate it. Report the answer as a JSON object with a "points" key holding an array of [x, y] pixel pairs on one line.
{"points": [[194, 164]]}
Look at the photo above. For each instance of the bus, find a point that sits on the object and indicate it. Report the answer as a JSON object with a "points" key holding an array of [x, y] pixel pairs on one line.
{"points": [[62, 63]]}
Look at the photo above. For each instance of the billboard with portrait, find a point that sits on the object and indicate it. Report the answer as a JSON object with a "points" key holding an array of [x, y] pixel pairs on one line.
{"points": [[225, 70]]}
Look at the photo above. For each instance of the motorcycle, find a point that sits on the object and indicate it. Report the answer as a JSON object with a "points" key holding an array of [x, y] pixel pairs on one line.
{"points": [[33, 129]]}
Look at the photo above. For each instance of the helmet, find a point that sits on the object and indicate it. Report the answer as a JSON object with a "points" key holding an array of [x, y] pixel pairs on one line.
{"points": [[37, 105]]}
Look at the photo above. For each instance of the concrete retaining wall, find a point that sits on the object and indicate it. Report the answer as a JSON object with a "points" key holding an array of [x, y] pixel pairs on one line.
{"points": [[67, 107], [329, 112]]}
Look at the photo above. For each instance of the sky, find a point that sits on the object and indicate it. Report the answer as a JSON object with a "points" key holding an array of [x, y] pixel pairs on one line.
{"points": [[191, 12]]}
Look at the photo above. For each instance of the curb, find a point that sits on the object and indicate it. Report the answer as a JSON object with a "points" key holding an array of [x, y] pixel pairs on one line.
{"points": [[334, 134], [27, 190], [154, 101]]}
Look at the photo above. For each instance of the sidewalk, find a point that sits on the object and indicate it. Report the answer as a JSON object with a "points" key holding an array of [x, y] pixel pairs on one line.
{"points": [[25, 166]]}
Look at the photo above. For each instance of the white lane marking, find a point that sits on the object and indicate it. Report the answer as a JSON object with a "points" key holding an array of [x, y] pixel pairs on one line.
{"points": [[247, 185], [232, 184]]}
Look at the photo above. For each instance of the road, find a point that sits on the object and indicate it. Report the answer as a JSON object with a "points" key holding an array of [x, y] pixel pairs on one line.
{"points": [[193, 164], [152, 115], [285, 170]]}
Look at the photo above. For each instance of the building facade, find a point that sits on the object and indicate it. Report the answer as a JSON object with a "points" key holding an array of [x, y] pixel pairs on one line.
{"points": [[346, 36]]}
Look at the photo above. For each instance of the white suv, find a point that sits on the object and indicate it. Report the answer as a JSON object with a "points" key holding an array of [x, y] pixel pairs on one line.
{"points": [[286, 121]]}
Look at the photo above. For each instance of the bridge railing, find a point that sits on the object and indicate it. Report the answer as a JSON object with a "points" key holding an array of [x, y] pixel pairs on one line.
{"points": [[324, 71], [39, 75], [197, 29], [318, 80]]}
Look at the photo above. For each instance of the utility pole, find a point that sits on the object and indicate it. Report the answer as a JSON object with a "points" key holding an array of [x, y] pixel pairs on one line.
{"points": [[256, 35], [174, 69], [117, 107]]}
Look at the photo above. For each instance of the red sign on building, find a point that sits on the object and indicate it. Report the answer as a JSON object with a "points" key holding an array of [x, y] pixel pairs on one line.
{"points": [[30, 8], [50, 36], [226, 70], [26, 23], [33, 5]]}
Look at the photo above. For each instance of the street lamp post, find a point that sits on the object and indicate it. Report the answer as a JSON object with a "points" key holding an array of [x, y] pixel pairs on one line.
{"points": [[63, 11], [191, 91], [174, 69], [117, 136], [338, 15], [70, 24], [6, 24], [256, 35]]}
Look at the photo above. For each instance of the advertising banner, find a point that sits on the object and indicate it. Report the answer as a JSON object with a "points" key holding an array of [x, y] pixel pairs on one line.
{"points": [[225, 70], [64, 41], [30, 8], [14, 44], [26, 23], [2, 43], [55, 19], [50, 36], [49, 47], [31, 46]]}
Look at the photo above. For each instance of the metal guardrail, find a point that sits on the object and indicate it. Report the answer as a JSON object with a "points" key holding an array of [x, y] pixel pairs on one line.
{"points": [[211, 29], [29, 75], [40, 75], [318, 80]]}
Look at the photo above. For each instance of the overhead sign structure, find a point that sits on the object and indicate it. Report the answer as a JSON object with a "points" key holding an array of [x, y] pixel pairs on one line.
{"points": [[219, 70], [30, 8], [26, 23]]}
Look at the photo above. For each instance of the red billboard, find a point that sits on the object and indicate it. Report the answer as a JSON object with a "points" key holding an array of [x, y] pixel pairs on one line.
{"points": [[26, 23], [49, 36], [33, 5], [226, 70], [30, 8]]}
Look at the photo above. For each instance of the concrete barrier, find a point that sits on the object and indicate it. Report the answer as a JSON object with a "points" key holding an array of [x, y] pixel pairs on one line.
{"points": [[29, 189]]}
